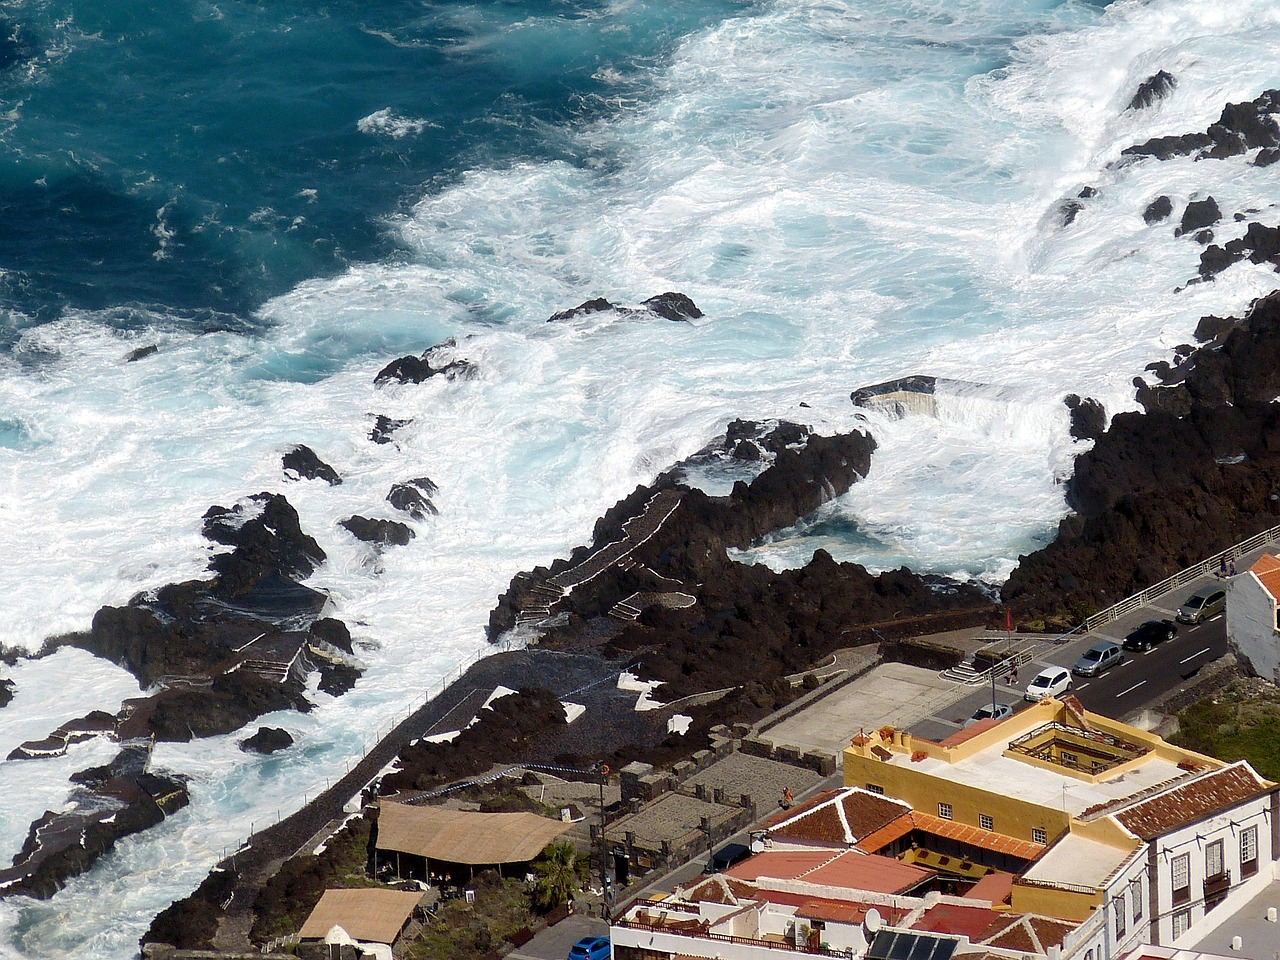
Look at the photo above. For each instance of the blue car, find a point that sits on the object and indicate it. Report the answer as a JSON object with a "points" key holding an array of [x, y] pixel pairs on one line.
{"points": [[590, 948]]}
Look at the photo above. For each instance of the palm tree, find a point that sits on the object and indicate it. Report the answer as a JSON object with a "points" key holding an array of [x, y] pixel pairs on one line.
{"points": [[561, 871]]}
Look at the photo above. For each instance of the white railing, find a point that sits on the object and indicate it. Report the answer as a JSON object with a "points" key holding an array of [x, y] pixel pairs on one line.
{"points": [[1203, 569]]}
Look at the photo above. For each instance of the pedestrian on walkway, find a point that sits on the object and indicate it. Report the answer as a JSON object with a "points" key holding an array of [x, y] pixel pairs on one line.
{"points": [[1231, 569], [1013, 674], [1222, 568]]}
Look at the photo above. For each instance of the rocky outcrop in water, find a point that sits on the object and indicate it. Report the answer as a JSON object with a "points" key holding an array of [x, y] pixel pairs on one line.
{"points": [[1198, 214], [109, 803], [1088, 418], [1155, 88], [658, 583], [384, 427], [382, 533], [669, 306], [302, 463], [1157, 210], [1240, 128], [1162, 489], [267, 741], [414, 497], [1260, 244]]}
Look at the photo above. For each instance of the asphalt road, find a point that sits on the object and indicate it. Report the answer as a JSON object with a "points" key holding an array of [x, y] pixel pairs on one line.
{"points": [[1138, 681]]}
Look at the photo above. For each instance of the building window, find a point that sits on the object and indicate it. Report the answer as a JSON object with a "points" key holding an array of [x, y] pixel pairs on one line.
{"points": [[1120, 915], [985, 822], [1039, 836], [1213, 861], [1181, 923], [1070, 759], [1135, 891], [1088, 954], [1248, 851], [944, 811], [875, 788], [1181, 878]]}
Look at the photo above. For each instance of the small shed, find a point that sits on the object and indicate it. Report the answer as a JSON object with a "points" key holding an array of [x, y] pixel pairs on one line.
{"points": [[419, 841], [367, 915]]}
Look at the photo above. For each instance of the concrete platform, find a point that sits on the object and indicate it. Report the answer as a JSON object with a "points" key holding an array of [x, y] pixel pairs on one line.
{"points": [[892, 693]]}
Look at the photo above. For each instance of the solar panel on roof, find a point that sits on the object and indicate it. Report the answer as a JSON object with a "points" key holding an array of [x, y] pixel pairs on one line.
{"points": [[899, 945]]}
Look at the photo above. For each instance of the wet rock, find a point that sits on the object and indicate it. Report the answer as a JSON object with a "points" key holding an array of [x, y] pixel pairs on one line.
{"points": [[384, 427], [1088, 418], [1068, 210], [1260, 244], [1266, 157], [1203, 236], [673, 306], [1157, 210], [302, 463], [1156, 87], [267, 741], [334, 632], [1087, 193], [584, 309], [1241, 127], [418, 369], [414, 497], [6, 692], [1199, 213], [384, 533], [138, 354]]}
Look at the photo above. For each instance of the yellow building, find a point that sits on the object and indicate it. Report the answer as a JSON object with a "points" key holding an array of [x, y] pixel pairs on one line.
{"points": [[1095, 800]]}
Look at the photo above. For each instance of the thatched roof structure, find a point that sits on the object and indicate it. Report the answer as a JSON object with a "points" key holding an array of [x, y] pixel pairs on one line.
{"points": [[462, 836]]}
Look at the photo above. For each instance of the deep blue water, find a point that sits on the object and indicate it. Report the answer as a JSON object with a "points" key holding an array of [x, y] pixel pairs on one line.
{"points": [[196, 158]]}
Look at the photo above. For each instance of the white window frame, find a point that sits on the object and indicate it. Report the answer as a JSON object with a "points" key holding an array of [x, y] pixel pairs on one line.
{"points": [[1181, 918], [1135, 888], [1215, 860], [875, 788], [1181, 864], [985, 821], [944, 811], [1121, 918], [1039, 835], [1249, 843]]}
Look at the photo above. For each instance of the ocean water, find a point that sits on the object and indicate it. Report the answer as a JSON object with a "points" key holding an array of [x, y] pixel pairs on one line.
{"points": [[284, 197]]}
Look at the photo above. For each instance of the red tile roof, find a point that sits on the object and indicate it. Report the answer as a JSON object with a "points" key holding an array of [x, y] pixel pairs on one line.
{"points": [[986, 839], [971, 731], [1193, 800], [1267, 570], [850, 869], [877, 840], [837, 817], [971, 922], [994, 887]]}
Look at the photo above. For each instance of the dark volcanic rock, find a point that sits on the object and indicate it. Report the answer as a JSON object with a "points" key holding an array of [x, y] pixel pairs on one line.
{"points": [[414, 497], [418, 369], [6, 692], [586, 308], [384, 427], [1241, 127], [1266, 157], [1260, 244], [267, 740], [673, 306], [1156, 87], [787, 620], [1203, 236], [1157, 210], [140, 352], [381, 532], [269, 546], [1199, 213], [1088, 418], [1161, 490], [1068, 210], [65, 844], [301, 463]]}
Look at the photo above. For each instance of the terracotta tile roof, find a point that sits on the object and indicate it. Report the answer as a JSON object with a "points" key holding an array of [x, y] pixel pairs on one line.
{"points": [[837, 817], [971, 922], [971, 731], [782, 816], [1050, 932], [1013, 936], [720, 889], [837, 911], [866, 871], [1193, 800], [1025, 932], [1267, 570], [986, 839], [850, 869], [890, 914], [877, 840], [995, 887]]}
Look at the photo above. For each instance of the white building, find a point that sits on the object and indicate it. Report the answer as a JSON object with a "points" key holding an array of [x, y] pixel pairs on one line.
{"points": [[1253, 627]]}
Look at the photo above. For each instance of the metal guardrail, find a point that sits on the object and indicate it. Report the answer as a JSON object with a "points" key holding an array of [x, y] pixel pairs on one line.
{"points": [[1181, 578]]}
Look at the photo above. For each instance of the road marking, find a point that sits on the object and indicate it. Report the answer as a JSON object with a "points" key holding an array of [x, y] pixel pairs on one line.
{"points": [[1194, 655], [1147, 653], [1131, 689], [1083, 685]]}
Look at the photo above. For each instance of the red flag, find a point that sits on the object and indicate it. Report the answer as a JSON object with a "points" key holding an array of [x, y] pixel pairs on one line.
{"points": [[1008, 620]]}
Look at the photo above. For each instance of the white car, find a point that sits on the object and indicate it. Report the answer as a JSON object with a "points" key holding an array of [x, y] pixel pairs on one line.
{"points": [[1049, 682]]}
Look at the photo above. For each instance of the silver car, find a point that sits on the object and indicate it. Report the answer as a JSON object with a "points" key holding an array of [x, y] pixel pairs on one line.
{"points": [[1097, 658]]}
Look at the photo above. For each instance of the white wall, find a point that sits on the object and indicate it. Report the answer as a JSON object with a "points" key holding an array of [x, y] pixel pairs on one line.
{"points": [[1251, 625]]}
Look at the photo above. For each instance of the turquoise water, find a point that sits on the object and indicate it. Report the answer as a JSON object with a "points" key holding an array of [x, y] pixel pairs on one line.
{"points": [[283, 197]]}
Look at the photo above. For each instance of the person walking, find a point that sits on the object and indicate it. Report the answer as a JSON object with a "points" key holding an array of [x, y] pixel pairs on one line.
{"points": [[1013, 674]]}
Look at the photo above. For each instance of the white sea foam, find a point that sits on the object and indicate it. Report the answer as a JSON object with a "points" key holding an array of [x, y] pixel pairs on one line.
{"points": [[851, 191], [387, 123]]}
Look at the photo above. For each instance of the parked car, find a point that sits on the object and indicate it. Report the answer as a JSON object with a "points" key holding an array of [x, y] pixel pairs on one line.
{"points": [[727, 856], [1049, 682], [998, 711], [1147, 635], [1202, 605], [591, 948], [1099, 657]]}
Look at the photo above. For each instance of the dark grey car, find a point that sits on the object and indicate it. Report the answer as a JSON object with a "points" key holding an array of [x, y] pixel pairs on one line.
{"points": [[1097, 658]]}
